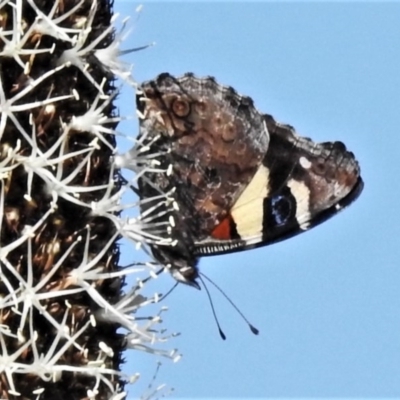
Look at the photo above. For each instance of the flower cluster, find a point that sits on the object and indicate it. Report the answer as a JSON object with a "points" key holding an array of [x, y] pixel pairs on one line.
{"points": [[61, 202]]}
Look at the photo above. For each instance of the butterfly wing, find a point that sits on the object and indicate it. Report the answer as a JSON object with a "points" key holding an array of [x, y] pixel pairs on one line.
{"points": [[299, 185], [214, 140], [210, 141]]}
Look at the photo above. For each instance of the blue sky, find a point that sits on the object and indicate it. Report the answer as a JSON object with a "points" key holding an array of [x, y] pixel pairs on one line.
{"points": [[327, 302]]}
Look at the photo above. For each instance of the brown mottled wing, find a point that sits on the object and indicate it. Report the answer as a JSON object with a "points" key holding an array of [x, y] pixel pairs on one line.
{"points": [[214, 139], [299, 185]]}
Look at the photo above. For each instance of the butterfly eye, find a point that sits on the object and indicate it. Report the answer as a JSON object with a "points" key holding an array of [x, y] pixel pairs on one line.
{"points": [[181, 108], [281, 209]]}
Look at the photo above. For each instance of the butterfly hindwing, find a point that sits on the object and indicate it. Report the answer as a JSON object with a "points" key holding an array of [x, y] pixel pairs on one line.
{"points": [[298, 185]]}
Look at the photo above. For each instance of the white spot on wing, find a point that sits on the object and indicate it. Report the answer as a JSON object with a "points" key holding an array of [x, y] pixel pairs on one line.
{"points": [[302, 195], [305, 162]]}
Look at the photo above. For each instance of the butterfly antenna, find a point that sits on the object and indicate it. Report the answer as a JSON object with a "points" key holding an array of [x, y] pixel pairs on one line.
{"points": [[169, 291], [222, 334], [252, 328]]}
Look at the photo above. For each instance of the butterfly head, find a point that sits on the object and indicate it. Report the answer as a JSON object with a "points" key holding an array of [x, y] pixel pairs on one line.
{"points": [[181, 264]]}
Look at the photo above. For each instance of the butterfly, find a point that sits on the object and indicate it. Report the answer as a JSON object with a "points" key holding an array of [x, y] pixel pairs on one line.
{"points": [[237, 178]]}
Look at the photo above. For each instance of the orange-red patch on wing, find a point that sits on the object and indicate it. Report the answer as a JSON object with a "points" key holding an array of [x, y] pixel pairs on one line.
{"points": [[223, 230]]}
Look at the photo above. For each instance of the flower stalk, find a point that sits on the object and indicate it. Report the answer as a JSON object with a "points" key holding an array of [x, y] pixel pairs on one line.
{"points": [[61, 206]]}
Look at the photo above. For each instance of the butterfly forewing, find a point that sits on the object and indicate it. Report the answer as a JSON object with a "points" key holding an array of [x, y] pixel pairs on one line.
{"points": [[215, 140]]}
